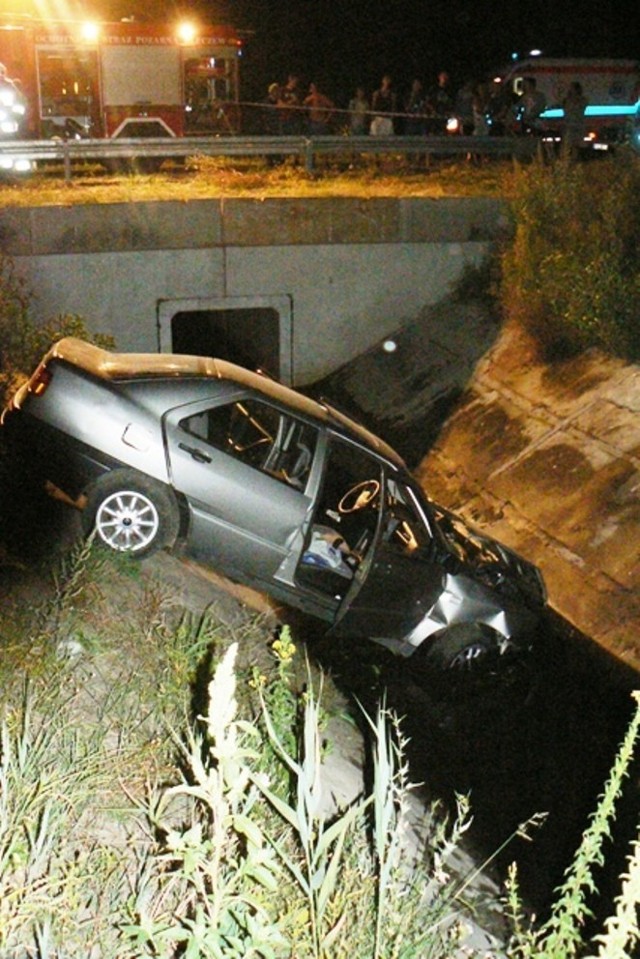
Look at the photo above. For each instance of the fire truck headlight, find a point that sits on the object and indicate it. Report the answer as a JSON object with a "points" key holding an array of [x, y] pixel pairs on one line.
{"points": [[453, 125], [8, 127], [90, 31], [19, 109], [186, 32], [7, 97]]}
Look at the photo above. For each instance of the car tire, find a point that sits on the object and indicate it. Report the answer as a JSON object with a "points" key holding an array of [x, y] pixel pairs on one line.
{"points": [[464, 648], [131, 513]]}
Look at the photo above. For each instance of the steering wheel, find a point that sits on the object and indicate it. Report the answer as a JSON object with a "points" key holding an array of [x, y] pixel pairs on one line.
{"points": [[359, 496]]}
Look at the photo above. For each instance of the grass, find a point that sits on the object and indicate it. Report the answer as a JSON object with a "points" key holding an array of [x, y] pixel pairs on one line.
{"points": [[95, 677], [161, 795], [129, 827], [212, 178]]}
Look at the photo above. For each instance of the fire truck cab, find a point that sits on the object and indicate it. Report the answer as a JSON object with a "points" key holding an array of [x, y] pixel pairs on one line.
{"points": [[611, 87], [125, 79]]}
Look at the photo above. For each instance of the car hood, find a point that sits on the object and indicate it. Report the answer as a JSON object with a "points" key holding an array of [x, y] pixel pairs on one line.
{"points": [[488, 560]]}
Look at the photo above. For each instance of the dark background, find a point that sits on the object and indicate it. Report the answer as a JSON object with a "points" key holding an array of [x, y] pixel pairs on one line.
{"points": [[356, 41]]}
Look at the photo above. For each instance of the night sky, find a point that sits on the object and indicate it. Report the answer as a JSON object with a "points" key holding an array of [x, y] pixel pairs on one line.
{"points": [[341, 44]]}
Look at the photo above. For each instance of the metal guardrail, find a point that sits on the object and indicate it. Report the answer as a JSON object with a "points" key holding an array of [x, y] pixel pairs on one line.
{"points": [[69, 152]]}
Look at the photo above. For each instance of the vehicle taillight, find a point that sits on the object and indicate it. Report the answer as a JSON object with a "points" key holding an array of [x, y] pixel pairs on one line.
{"points": [[39, 381]]}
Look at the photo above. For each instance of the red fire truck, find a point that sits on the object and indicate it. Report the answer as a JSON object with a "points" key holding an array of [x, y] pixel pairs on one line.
{"points": [[125, 79]]}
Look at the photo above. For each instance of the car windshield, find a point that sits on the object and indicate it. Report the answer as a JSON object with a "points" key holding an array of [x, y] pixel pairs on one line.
{"points": [[463, 541], [406, 526]]}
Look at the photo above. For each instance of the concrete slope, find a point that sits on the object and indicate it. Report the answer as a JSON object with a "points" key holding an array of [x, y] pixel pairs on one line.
{"points": [[544, 457]]}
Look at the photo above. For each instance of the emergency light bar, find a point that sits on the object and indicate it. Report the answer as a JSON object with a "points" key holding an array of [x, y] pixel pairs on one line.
{"points": [[625, 110]]}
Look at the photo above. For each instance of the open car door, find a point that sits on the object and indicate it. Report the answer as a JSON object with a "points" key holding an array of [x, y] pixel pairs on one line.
{"points": [[401, 578]]}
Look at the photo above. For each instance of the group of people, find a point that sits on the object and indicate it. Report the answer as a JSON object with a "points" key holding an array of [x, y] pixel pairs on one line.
{"points": [[483, 109], [290, 111], [422, 111]]}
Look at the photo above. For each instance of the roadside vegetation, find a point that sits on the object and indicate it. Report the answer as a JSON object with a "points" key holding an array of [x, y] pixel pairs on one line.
{"points": [[212, 177], [161, 796], [160, 771], [22, 341], [571, 275], [161, 791]]}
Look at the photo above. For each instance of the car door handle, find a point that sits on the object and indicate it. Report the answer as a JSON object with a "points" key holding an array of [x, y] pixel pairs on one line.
{"points": [[193, 451]]}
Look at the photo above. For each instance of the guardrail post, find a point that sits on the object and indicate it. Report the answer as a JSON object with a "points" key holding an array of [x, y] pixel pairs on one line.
{"points": [[67, 161], [308, 155]]}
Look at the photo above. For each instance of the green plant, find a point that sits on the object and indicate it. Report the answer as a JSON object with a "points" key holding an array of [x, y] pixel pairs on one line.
{"points": [[279, 694], [254, 864], [52, 882], [229, 855], [621, 937], [317, 871], [572, 273], [561, 936], [22, 341], [212, 897]]}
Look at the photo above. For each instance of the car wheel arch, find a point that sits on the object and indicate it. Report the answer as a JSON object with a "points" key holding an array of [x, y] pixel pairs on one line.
{"points": [[141, 495], [461, 646]]}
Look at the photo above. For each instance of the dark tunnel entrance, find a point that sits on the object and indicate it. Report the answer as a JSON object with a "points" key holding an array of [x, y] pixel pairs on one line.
{"points": [[253, 331], [249, 337]]}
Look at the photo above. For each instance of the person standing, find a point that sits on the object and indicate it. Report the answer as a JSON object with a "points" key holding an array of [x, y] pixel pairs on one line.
{"points": [[358, 113], [573, 130], [271, 117], [530, 106], [480, 111], [292, 113], [499, 109], [383, 106], [464, 107], [415, 107], [320, 109], [440, 100]]}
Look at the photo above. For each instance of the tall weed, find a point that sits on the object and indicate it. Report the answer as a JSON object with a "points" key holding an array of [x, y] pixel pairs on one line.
{"points": [[22, 340], [572, 274], [54, 881], [562, 935], [110, 846], [246, 865]]}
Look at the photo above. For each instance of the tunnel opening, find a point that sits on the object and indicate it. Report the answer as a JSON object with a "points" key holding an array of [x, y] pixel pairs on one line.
{"points": [[253, 331], [249, 337]]}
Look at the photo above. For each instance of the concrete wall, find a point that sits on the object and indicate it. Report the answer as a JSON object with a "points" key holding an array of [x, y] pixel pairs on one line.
{"points": [[340, 272]]}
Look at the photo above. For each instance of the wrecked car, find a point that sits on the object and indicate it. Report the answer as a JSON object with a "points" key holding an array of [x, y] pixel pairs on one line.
{"points": [[273, 489]]}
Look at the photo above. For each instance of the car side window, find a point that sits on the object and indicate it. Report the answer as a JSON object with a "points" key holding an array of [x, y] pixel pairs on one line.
{"points": [[259, 435]]}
